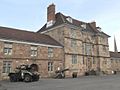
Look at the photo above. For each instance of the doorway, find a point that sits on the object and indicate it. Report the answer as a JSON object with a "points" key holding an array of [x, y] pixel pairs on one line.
{"points": [[34, 67]]}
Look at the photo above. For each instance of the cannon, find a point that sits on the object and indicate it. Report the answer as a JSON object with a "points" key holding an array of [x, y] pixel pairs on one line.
{"points": [[59, 74], [24, 73]]}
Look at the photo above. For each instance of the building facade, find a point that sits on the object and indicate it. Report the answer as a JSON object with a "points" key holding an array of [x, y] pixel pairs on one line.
{"points": [[115, 61], [63, 42], [19, 47], [115, 58], [85, 45]]}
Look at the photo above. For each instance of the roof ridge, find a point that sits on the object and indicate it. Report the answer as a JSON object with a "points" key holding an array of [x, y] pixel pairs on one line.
{"points": [[20, 35], [17, 29], [72, 18]]}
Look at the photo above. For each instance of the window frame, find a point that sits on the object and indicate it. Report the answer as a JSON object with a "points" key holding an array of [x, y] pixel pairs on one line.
{"points": [[74, 59], [73, 43], [88, 49], [50, 66], [50, 52], [33, 51], [73, 33], [7, 48], [7, 66]]}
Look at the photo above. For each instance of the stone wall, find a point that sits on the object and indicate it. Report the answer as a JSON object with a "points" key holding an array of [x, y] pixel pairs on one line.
{"points": [[21, 54], [99, 48], [115, 64], [57, 33]]}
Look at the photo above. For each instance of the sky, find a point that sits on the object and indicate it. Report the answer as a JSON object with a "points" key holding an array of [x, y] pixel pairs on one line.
{"points": [[31, 14]]}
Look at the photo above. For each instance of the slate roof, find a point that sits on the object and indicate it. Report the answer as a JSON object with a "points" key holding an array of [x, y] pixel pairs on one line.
{"points": [[26, 36], [115, 54], [61, 19]]}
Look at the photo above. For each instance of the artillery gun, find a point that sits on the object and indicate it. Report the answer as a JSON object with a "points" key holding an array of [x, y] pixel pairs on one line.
{"points": [[59, 74]]}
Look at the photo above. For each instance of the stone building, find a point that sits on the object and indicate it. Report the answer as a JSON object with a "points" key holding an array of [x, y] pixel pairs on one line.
{"points": [[115, 58], [62, 42], [85, 46], [23, 47], [115, 61]]}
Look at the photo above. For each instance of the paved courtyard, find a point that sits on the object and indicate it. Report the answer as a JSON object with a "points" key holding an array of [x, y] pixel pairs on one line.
{"points": [[111, 82]]}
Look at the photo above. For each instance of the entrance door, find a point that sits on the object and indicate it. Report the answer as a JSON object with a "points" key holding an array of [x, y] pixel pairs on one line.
{"points": [[34, 67]]}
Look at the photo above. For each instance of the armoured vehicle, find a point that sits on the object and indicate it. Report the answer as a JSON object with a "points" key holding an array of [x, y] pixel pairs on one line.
{"points": [[24, 73]]}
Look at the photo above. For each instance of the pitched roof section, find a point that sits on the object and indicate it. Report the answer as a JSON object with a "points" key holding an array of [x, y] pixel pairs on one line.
{"points": [[26, 36], [61, 19], [115, 54]]}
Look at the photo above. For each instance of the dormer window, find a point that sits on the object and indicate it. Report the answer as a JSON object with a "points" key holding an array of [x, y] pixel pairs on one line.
{"points": [[69, 19], [50, 23], [99, 29], [83, 26]]}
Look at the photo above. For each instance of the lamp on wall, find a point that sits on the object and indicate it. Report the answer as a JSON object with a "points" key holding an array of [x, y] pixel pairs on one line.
{"points": [[16, 61], [27, 60]]}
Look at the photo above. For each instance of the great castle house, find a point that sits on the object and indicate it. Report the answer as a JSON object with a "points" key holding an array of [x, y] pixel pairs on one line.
{"points": [[62, 42], [85, 46]]}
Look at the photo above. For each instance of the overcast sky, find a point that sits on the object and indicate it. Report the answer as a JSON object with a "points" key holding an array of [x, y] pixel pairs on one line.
{"points": [[31, 14]]}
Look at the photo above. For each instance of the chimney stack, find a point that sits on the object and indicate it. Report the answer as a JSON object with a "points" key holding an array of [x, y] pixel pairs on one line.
{"points": [[93, 24], [51, 13]]}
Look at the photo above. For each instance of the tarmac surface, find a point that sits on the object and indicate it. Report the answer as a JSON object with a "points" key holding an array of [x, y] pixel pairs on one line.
{"points": [[110, 82]]}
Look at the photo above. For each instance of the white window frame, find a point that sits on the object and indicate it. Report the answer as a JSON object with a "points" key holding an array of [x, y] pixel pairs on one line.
{"points": [[7, 66], [50, 52], [34, 51], [7, 48], [50, 66]]}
